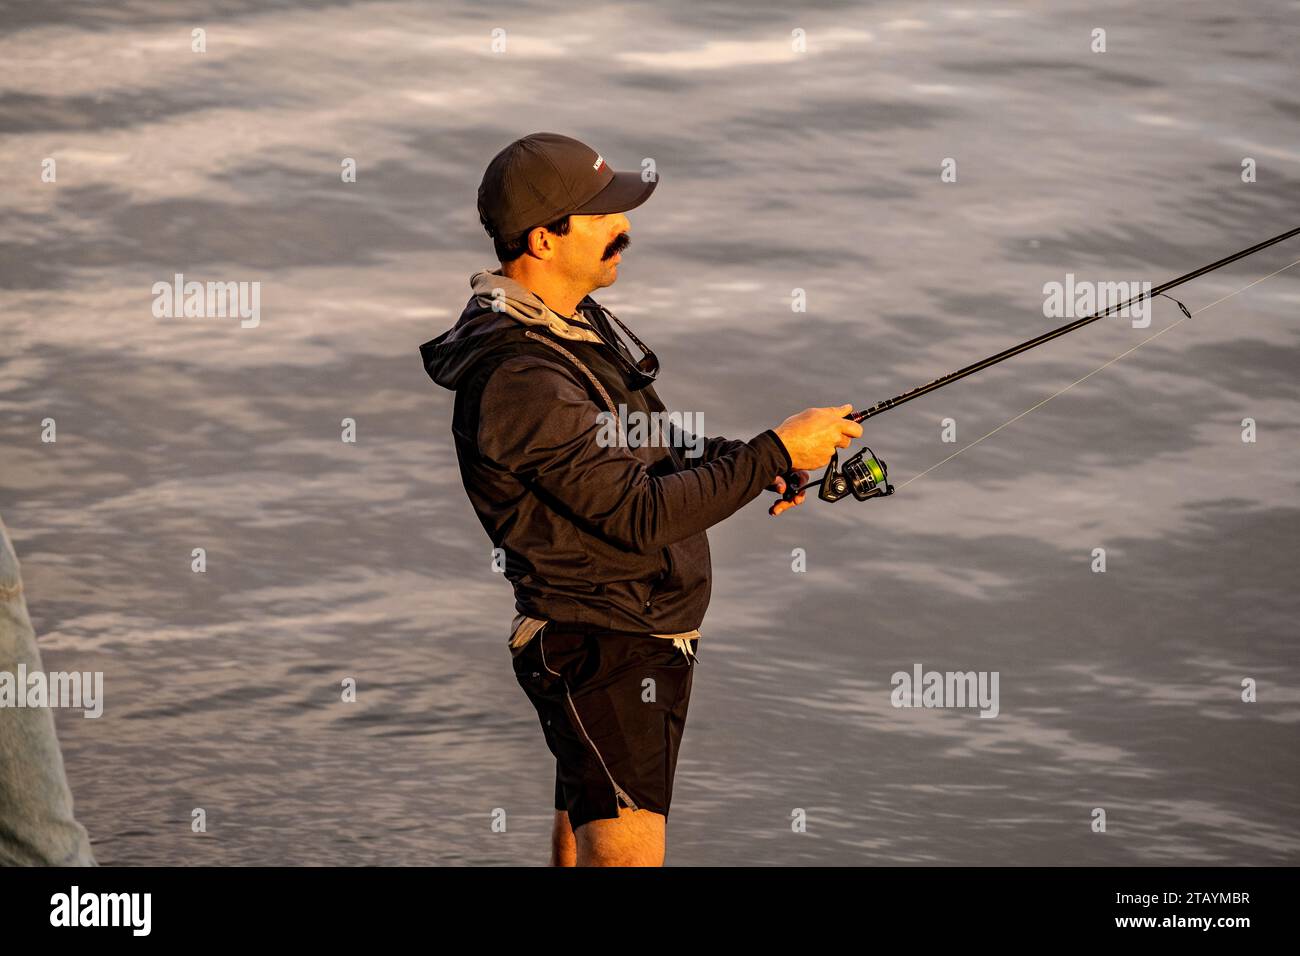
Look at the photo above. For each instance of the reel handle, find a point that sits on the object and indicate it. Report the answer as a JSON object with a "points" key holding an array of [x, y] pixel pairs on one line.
{"points": [[792, 487]]}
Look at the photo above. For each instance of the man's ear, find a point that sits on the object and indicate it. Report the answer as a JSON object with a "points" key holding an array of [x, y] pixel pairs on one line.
{"points": [[539, 243]]}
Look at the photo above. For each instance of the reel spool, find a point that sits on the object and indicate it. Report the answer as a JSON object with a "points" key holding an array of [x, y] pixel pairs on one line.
{"points": [[864, 475]]}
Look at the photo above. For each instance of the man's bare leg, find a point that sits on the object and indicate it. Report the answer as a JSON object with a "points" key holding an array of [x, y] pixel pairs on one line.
{"points": [[636, 838], [564, 851]]}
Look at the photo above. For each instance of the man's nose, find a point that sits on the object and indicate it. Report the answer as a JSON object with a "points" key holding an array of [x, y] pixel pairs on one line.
{"points": [[622, 224]]}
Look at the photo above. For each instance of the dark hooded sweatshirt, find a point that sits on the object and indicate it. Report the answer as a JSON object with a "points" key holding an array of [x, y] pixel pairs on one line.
{"points": [[609, 537]]}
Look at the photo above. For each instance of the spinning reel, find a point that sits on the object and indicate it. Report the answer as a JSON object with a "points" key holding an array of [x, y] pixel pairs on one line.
{"points": [[864, 475]]}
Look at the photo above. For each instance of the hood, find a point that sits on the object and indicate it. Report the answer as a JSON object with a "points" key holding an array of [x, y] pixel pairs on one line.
{"points": [[479, 328]]}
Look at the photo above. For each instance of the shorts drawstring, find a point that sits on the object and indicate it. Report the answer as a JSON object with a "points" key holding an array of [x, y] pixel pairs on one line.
{"points": [[684, 645]]}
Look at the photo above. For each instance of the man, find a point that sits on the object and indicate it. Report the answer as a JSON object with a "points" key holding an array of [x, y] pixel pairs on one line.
{"points": [[37, 827], [604, 543]]}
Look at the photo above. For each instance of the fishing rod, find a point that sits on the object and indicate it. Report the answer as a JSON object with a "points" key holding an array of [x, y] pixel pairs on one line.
{"points": [[865, 476]]}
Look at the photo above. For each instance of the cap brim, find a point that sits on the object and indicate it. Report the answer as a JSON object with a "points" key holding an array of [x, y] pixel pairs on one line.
{"points": [[625, 191]]}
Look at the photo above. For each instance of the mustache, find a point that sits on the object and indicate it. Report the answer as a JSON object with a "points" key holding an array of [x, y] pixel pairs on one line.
{"points": [[621, 242]]}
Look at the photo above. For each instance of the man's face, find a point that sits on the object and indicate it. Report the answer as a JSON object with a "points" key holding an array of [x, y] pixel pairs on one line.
{"points": [[589, 255]]}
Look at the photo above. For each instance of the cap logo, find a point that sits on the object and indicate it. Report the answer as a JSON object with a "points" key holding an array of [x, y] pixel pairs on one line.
{"points": [[600, 161]]}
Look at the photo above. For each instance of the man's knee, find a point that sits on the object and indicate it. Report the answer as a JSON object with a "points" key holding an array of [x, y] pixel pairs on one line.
{"points": [[636, 838], [564, 849]]}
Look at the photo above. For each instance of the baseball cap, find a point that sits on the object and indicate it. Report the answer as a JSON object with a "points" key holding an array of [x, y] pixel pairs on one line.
{"points": [[546, 176]]}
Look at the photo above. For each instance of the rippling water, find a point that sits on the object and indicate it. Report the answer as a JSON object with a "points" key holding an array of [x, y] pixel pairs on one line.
{"points": [[780, 170]]}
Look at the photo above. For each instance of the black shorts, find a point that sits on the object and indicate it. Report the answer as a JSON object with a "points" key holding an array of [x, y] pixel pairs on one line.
{"points": [[613, 707]]}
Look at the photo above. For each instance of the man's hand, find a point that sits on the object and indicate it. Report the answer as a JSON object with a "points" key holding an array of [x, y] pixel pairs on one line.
{"points": [[812, 436], [779, 486]]}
